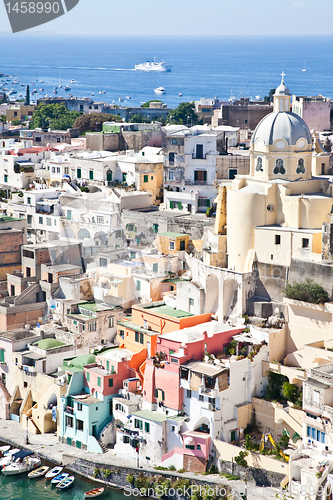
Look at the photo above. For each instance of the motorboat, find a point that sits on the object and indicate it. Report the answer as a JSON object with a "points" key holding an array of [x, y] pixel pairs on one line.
{"points": [[7, 457], [92, 93], [180, 94], [72, 81], [53, 472], [66, 483], [102, 91], [67, 88], [38, 472], [159, 90], [59, 478], [22, 461], [120, 99], [96, 492], [153, 66]]}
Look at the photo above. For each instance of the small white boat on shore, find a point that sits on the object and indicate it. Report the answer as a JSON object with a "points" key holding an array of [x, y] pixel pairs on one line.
{"points": [[7, 458], [66, 483], [54, 472], [38, 472]]}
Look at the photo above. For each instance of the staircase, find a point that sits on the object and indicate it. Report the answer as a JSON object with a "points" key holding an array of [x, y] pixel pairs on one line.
{"points": [[5, 391], [34, 425], [103, 446]]}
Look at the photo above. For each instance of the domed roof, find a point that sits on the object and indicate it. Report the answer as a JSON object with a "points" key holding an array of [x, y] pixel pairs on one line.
{"points": [[189, 441], [282, 89], [281, 125]]}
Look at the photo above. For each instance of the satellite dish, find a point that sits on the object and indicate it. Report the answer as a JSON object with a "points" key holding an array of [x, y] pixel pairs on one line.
{"points": [[91, 351]]}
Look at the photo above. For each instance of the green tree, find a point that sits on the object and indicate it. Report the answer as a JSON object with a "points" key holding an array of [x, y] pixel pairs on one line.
{"points": [[284, 441], [94, 121], [270, 96], [290, 392], [240, 459], [27, 96], [307, 291], [16, 122], [3, 118], [146, 104], [274, 386], [184, 114], [53, 116], [139, 119]]}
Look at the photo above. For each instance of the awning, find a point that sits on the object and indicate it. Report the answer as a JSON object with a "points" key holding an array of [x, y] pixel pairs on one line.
{"points": [[22, 454]]}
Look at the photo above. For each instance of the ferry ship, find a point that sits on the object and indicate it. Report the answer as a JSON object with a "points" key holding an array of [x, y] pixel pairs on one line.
{"points": [[153, 66]]}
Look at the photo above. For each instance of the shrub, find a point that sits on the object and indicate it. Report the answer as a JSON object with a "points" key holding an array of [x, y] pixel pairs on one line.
{"points": [[290, 392], [172, 467], [84, 189], [95, 472], [130, 478], [181, 471], [106, 472], [240, 459], [307, 291]]}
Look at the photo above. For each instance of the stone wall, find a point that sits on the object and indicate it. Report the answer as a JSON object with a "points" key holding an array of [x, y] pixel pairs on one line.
{"points": [[225, 162], [320, 273], [260, 477]]}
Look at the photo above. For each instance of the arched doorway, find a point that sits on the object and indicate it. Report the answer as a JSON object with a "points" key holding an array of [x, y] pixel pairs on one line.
{"points": [[83, 234]]}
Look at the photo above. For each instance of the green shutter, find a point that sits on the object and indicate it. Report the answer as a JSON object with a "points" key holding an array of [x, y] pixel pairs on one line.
{"points": [[141, 338], [171, 204], [145, 178], [88, 376], [136, 336], [162, 395], [2, 356], [179, 205], [78, 173], [108, 365], [110, 382], [156, 393], [207, 203], [99, 381], [91, 175]]}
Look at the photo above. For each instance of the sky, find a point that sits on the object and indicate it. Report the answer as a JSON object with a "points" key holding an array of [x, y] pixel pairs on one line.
{"points": [[189, 17]]}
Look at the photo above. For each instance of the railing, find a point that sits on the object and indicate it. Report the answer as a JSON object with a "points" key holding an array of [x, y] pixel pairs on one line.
{"points": [[69, 409], [200, 157], [196, 183]]}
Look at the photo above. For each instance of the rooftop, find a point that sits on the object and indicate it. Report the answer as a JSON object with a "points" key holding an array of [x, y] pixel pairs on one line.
{"points": [[48, 343], [195, 333], [155, 416], [77, 364], [137, 328], [16, 335], [117, 354], [85, 399], [205, 368], [166, 310], [92, 306], [173, 235]]}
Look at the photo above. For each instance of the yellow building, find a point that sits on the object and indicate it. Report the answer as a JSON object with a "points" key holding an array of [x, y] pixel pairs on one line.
{"points": [[21, 112], [276, 213]]}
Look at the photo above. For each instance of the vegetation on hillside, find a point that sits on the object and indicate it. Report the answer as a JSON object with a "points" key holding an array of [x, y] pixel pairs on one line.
{"points": [[307, 291], [53, 116]]}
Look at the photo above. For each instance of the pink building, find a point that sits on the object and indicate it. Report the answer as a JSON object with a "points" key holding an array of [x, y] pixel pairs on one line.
{"points": [[110, 369], [161, 381]]}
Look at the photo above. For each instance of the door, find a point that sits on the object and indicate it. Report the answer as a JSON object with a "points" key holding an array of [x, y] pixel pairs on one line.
{"points": [[109, 175], [189, 207], [199, 151], [94, 430], [182, 245], [233, 436]]}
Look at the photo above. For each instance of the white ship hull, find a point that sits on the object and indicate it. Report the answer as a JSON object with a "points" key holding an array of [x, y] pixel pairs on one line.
{"points": [[153, 66]]}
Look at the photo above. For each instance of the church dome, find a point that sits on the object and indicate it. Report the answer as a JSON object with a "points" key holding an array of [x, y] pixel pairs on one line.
{"points": [[281, 125], [282, 89]]}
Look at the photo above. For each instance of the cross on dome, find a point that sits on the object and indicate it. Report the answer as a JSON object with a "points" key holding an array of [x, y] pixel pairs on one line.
{"points": [[283, 75]]}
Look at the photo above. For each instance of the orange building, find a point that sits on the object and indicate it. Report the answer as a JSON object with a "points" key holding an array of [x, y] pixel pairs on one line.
{"points": [[153, 319]]}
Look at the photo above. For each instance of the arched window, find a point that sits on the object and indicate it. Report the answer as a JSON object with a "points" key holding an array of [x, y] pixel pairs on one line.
{"points": [[279, 167], [109, 175], [259, 165], [300, 167]]}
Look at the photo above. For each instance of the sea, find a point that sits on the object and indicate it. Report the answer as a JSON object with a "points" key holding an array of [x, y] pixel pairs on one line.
{"points": [[225, 66], [20, 487]]}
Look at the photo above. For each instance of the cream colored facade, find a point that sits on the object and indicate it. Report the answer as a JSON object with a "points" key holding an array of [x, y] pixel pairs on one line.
{"points": [[285, 193]]}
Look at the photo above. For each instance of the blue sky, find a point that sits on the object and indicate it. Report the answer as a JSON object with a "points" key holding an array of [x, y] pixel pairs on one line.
{"points": [[191, 17]]}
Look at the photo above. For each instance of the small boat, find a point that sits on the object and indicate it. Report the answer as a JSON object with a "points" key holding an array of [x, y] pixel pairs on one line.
{"points": [[96, 492], [67, 88], [5, 448], [72, 81], [128, 97], [38, 472], [120, 99], [92, 93], [159, 90], [54, 472], [66, 483], [180, 94], [59, 478]]}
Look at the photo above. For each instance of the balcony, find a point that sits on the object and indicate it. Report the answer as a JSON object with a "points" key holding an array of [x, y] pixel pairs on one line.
{"points": [[200, 157], [206, 391], [69, 409], [29, 370], [196, 183]]}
